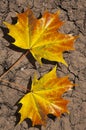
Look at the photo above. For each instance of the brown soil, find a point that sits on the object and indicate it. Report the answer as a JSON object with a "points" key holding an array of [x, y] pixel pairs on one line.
{"points": [[73, 12]]}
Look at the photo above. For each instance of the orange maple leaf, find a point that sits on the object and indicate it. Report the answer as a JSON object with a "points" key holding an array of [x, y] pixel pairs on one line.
{"points": [[41, 36], [45, 98]]}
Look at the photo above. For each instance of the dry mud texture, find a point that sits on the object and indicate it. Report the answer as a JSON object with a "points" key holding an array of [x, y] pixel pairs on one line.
{"points": [[73, 12]]}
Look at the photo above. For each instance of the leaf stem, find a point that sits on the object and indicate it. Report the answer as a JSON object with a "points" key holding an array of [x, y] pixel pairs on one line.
{"points": [[20, 86], [13, 65]]}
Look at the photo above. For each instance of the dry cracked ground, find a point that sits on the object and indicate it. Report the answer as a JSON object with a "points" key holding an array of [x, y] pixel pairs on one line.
{"points": [[73, 12]]}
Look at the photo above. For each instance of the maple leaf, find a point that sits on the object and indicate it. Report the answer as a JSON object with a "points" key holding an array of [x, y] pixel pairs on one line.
{"points": [[41, 36], [45, 98]]}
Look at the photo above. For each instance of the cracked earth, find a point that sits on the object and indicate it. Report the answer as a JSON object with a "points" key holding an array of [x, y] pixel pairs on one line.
{"points": [[73, 12]]}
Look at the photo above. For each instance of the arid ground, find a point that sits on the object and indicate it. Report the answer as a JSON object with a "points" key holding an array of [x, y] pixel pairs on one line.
{"points": [[73, 13]]}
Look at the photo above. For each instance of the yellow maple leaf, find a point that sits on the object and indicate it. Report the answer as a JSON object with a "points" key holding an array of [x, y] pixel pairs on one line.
{"points": [[41, 36], [45, 97]]}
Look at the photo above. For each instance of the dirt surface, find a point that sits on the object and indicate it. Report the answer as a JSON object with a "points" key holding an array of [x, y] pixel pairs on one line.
{"points": [[73, 12]]}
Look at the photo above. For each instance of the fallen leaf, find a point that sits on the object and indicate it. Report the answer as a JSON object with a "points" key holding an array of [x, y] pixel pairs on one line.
{"points": [[45, 97], [41, 36]]}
